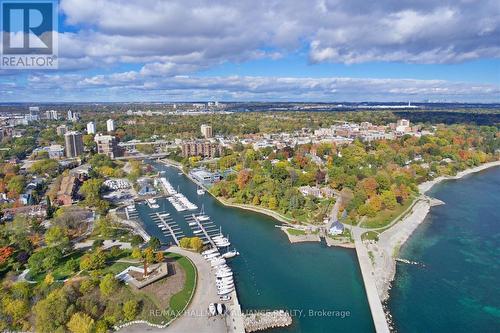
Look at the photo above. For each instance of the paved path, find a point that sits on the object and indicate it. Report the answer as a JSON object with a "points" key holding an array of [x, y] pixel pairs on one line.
{"points": [[196, 318], [365, 264]]}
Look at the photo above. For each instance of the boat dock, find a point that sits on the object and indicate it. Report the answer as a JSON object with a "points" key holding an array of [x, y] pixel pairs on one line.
{"points": [[165, 222], [209, 229]]}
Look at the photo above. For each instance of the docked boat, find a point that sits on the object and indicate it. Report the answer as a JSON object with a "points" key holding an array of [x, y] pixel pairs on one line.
{"points": [[200, 191], [209, 251], [221, 309], [192, 224], [224, 274], [225, 291], [203, 218], [197, 232], [212, 309], [230, 254], [222, 244], [225, 298]]}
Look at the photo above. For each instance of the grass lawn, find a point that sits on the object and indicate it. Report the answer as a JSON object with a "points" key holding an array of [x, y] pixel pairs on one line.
{"points": [[180, 300], [370, 235], [386, 216], [295, 232], [118, 267]]}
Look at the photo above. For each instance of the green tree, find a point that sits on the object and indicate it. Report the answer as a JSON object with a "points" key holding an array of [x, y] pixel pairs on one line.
{"points": [[154, 243], [81, 323], [108, 285], [93, 261], [56, 235], [52, 312], [130, 309]]}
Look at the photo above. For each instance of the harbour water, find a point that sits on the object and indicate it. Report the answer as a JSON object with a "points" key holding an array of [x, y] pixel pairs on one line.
{"points": [[459, 245], [321, 287]]}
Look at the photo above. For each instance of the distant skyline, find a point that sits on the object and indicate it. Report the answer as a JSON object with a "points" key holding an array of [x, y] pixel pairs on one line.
{"points": [[324, 51]]}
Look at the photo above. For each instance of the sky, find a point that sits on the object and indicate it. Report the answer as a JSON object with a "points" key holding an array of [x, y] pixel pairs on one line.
{"points": [[251, 50]]}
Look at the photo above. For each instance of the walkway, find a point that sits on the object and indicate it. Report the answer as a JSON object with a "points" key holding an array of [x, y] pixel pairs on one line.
{"points": [[195, 319], [365, 264]]}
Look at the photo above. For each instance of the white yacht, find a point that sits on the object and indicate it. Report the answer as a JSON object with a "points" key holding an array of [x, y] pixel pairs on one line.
{"points": [[230, 254], [200, 190]]}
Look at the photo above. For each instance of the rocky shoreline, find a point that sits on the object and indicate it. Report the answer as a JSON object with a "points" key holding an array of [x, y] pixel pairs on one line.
{"points": [[384, 251], [266, 320]]}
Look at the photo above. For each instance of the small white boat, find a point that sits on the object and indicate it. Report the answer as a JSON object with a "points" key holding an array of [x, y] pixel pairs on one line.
{"points": [[225, 291], [230, 254], [197, 232], [225, 298], [203, 218], [224, 274], [221, 308], [211, 309], [179, 173], [222, 244], [200, 191], [210, 251]]}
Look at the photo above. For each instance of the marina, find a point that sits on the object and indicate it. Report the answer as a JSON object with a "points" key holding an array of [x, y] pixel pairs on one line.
{"points": [[265, 251]]}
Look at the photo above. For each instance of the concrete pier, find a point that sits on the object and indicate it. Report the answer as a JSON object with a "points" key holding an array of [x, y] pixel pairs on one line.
{"points": [[377, 311]]}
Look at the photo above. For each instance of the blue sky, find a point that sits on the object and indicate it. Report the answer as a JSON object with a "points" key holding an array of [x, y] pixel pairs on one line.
{"points": [[324, 50]]}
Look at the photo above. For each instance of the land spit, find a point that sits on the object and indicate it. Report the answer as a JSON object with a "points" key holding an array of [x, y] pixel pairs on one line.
{"points": [[266, 320]]}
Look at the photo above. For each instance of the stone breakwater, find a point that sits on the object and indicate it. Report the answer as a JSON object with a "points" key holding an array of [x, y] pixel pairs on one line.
{"points": [[266, 320]]}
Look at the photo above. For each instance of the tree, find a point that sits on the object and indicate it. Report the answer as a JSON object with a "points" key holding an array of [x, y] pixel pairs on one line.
{"points": [[136, 241], [50, 209], [52, 312], [93, 261], [130, 309], [56, 235], [154, 243], [149, 255], [196, 244], [136, 253], [5, 253], [159, 256], [389, 199], [16, 309], [46, 166], [108, 285], [81, 323], [44, 260], [273, 203]]}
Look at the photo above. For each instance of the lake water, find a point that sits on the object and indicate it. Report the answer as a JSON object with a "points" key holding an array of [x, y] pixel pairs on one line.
{"points": [[271, 273], [459, 244]]}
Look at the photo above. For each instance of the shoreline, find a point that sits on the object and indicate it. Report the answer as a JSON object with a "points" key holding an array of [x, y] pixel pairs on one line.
{"points": [[386, 249]]}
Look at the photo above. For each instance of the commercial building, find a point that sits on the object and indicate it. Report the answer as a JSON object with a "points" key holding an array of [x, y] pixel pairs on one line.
{"points": [[206, 131], [61, 130], [201, 148], [110, 125], [107, 145], [91, 127], [74, 144]]}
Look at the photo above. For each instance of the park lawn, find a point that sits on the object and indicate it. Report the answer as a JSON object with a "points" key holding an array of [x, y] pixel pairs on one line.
{"points": [[180, 300], [385, 217], [370, 235], [117, 267], [296, 232]]}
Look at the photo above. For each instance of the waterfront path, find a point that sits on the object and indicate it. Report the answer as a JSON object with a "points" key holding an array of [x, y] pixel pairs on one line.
{"points": [[196, 318], [378, 315]]}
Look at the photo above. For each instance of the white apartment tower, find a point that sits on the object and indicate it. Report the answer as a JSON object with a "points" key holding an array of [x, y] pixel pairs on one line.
{"points": [[110, 125], [91, 128]]}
